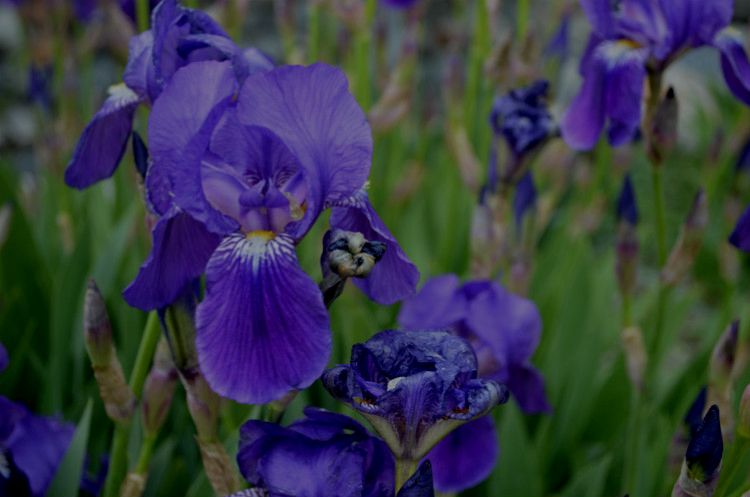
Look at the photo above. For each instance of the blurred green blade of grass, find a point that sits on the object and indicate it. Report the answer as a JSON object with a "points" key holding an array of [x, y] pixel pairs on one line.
{"points": [[67, 480]]}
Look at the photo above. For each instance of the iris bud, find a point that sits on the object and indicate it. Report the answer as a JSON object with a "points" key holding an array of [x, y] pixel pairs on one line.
{"points": [[720, 382], [689, 243], [663, 132], [158, 390], [700, 469], [118, 398]]}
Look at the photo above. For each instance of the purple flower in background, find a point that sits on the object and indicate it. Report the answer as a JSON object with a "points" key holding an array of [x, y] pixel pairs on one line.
{"points": [[627, 208], [414, 387], [740, 237], [706, 447], [522, 118], [399, 4], [31, 446], [559, 44], [328, 454], [178, 37], [633, 37], [40, 85], [239, 173], [504, 331]]}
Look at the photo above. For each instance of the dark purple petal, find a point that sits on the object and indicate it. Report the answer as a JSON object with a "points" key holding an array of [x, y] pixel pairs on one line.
{"points": [[181, 249], [394, 277], [706, 448], [740, 237], [527, 386], [3, 358], [315, 115], [36, 443], [734, 63], [340, 458], [692, 23], [262, 328], [103, 141], [180, 126], [439, 304], [694, 416], [420, 483], [627, 208], [466, 456], [399, 4], [525, 197]]}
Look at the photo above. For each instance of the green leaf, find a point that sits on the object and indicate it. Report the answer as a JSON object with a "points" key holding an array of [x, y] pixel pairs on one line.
{"points": [[68, 477]]}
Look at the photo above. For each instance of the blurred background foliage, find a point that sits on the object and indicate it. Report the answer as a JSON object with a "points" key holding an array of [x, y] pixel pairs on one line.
{"points": [[428, 76]]}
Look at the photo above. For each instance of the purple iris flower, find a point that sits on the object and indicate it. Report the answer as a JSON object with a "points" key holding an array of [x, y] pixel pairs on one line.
{"points": [[740, 237], [414, 388], [328, 454], [633, 37], [31, 446], [522, 118], [239, 173], [504, 331], [178, 37], [399, 4], [559, 44]]}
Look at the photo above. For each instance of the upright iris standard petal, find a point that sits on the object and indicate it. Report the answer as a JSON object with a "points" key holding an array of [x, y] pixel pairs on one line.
{"points": [[180, 127], [466, 456], [394, 277], [182, 247], [37, 444], [262, 329], [328, 454], [734, 63], [414, 387], [103, 142], [740, 237], [312, 111], [584, 119]]}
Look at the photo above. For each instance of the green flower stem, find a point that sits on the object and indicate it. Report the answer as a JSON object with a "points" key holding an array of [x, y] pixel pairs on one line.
{"points": [[144, 457], [659, 216], [405, 468], [141, 14], [522, 19], [118, 456], [313, 32]]}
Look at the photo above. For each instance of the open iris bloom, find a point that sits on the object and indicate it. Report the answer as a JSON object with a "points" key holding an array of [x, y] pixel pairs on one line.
{"points": [[504, 331], [415, 388], [632, 38], [522, 119], [31, 447], [178, 37], [328, 454], [240, 170]]}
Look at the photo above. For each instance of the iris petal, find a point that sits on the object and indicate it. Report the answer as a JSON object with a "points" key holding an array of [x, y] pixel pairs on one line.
{"points": [[103, 141], [439, 304], [37, 443], [179, 134], [734, 63], [182, 247], [312, 111], [262, 329], [466, 456], [740, 237], [394, 277]]}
